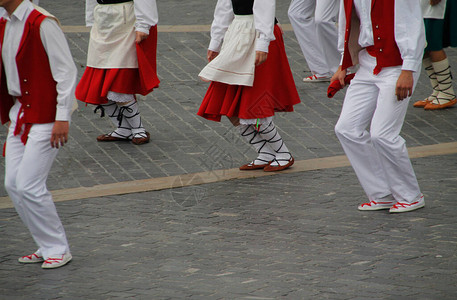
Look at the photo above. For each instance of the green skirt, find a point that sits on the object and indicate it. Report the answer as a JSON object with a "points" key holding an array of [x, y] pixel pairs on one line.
{"points": [[442, 33]]}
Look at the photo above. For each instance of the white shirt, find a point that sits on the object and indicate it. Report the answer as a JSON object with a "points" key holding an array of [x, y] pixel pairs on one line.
{"points": [[409, 30], [264, 20], [61, 62], [145, 12]]}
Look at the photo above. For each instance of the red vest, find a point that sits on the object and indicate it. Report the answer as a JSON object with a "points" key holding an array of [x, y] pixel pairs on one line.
{"points": [[38, 88], [383, 21]]}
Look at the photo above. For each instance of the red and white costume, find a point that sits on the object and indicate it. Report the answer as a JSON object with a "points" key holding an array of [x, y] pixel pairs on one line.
{"points": [[271, 87], [117, 67], [37, 86], [238, 88], [384, 37]]}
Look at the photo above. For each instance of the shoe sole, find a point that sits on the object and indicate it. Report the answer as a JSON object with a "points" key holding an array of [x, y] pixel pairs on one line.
{"points": [[431, 106], [406, 209], [30, 261], [371, 208], [111, 139], [269, 168], [420, 105], [248, 167]]}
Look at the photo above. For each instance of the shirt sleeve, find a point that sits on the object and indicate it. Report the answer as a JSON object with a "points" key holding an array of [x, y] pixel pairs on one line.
{"points": [[146, 15], [409, 33], [264, 20], [90, 5], [63, 68], [341, 30], [223, 17]]}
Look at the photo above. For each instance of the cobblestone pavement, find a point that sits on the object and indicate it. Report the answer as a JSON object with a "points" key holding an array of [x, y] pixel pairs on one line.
{"points": [[294, 236]]}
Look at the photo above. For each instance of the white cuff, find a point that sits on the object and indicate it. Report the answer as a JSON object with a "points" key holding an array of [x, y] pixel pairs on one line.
{"points": [[142, 28], [63, 114], [411, 65], [262, 45], [215, 45]]}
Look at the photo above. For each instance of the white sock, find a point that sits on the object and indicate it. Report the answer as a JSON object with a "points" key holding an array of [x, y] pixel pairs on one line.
{"points": [[427, 63], [269, 133], [131, 114], [444, 78], [266, 154], [111, 109]]}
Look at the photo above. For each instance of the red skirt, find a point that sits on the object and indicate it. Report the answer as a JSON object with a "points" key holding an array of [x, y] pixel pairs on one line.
{"points": [[95, 83], [273, 90]]}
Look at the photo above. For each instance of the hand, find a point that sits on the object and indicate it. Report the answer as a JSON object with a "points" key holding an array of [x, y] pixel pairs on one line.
{"points": [[339, 75], [260, 57], [405, 84], [140, 36], [211, 55], [434, 2], [59, 134]]}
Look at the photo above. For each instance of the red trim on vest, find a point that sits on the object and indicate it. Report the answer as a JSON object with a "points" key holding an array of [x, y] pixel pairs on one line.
{"points": [[6, 100], [38, 88], [385, 48]]}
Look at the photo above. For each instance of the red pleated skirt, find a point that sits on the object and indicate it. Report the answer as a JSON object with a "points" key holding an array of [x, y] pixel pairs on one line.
{"points": [[95, 83], [273, 90]]}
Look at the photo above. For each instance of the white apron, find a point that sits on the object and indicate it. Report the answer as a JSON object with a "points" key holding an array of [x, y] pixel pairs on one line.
{"points": [[235, 64], [112, 38]]}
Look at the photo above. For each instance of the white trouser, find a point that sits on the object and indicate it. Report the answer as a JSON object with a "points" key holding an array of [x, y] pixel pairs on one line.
{"points": [[379, 157], [314, 24], [26, 170]]}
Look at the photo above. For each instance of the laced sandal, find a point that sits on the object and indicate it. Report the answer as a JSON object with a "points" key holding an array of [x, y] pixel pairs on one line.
{"points": [[441, 104], [406, 206], [56, 261], [31, 259], [434, 82], [423, 103], [278, 166], [113, 137], [265, 153], [141, 138], [446, 96], [253, 166], [376, 205]]}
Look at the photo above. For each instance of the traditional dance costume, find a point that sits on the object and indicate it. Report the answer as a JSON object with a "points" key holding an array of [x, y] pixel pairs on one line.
{"points": [[385, 37], [239, 89], [314, 24], [38, 78], [117, 67], [441, 32]]}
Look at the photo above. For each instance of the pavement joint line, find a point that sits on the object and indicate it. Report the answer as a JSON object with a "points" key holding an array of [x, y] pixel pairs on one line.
{"points": [[214, 176], [162, 28]]}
